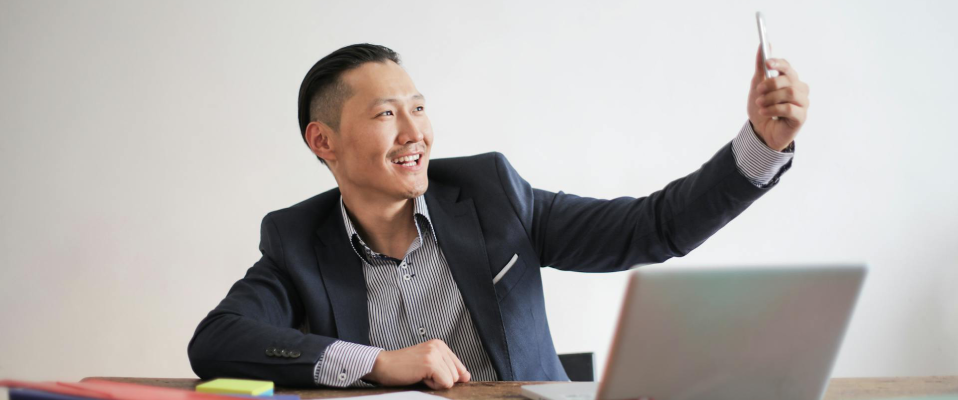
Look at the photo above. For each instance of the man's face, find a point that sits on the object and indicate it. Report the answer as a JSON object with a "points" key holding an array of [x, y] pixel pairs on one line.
{"points": [[385, 137]]}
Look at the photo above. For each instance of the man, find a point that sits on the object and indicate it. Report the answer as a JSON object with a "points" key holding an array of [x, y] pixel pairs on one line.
{"points": [[400, 276]]}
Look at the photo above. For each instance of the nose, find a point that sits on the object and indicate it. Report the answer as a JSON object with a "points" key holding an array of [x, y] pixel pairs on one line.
{"points": [[409, 131]]}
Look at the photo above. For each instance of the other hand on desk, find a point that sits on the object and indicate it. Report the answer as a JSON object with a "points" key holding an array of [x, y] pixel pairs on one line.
{"points": [[432, 363]]}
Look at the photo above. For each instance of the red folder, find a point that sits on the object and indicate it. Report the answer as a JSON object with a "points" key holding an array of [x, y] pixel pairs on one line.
{"points": [[108, 390]]}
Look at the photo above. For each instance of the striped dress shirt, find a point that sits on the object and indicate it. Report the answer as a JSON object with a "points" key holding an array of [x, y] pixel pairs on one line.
{"points": [[410, 301], [413, 300]]}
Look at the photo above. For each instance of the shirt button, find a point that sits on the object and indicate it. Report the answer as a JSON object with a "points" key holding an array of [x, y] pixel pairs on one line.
{"points": [[406, 277], [422, 331], [342, 376]]}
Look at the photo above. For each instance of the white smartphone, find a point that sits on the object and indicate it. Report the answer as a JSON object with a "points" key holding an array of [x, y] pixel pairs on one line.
{"points": [[766, 50], [763, 40]]}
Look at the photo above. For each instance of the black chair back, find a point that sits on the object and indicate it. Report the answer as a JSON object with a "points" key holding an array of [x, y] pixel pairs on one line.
{"points": [[579, 366]]}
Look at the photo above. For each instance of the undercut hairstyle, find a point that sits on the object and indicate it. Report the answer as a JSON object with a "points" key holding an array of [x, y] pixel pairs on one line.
{"points": [[323, 92]]}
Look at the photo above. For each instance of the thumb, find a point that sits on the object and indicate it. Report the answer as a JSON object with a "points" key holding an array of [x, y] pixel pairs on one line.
{"points": [[759, 75]]}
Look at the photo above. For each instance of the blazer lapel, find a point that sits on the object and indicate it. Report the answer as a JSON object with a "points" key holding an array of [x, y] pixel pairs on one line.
{"points": [[460, 238], [343, 277]]}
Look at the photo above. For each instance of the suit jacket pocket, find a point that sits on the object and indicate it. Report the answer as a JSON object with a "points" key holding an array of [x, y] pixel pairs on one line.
{"points": [[509, 276], [505, 269]]}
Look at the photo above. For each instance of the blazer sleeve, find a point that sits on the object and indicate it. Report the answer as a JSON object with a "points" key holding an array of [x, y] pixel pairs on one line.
{"points": [[576, 233], [246, 334]]}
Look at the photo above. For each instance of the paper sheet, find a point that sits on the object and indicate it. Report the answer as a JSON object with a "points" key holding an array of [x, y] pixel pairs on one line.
{"points": [[410, 395]]}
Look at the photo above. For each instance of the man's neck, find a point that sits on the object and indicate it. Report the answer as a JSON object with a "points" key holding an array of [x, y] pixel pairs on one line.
{"points": [[386, 225]]}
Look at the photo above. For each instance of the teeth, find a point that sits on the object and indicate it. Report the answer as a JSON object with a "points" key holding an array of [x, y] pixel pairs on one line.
{"points": [[405, 160]]}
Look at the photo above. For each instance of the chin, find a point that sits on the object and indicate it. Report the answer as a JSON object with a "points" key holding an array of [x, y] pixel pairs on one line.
{"points": [[417, 190]]}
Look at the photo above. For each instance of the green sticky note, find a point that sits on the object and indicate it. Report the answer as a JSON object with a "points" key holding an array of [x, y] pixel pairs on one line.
{"points": [[236, 386]]}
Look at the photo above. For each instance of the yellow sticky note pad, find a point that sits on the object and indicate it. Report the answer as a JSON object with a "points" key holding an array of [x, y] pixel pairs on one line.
{"points": [[237, 386]]}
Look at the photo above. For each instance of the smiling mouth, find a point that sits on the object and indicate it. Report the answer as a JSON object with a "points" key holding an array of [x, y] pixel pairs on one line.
{"points": [[408, 161]]}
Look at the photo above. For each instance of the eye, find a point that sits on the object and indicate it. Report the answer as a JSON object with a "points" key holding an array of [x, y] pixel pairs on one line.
{"points": [[420, 108], [384, 113]]}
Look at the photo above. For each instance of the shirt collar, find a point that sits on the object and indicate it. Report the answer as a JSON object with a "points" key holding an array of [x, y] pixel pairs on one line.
{"points": [[420, 215]]}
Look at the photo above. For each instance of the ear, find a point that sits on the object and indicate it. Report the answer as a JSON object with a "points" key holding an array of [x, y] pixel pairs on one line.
{"points": [[318, 137]]}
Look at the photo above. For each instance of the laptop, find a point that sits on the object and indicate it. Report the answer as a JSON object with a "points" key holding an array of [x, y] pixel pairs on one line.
{"points": [[691, 333]]}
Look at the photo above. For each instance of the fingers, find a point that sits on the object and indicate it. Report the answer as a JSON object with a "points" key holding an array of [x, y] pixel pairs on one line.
{"points": [[456, 367], [783, 67], [788, 110], [439, 376], [787, 76], [450, 365], [772, 84], [464, 374], [445, 367], [796, 94]]}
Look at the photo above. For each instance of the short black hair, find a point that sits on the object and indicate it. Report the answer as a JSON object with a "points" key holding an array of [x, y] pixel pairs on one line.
{"points": [[322, 93]]}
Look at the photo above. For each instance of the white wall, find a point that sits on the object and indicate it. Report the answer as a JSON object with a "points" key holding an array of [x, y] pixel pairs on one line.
{"points": [[141, 144]]}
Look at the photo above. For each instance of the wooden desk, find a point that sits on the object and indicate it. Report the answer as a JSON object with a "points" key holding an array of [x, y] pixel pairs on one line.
{"points": [[838, 389]]}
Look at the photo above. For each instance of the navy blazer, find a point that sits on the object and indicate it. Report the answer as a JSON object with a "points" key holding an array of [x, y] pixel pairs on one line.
{"points": [[308, 289]]}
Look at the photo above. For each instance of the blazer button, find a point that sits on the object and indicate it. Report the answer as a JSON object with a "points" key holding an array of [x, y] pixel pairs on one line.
{"points": [[295, 354], [283, 353], [269, 352]]}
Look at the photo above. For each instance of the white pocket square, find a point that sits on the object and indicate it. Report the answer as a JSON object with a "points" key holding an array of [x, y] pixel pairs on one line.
{"points": [[505, 269]]}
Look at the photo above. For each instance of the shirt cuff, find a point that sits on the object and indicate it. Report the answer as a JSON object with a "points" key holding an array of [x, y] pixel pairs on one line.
{"points": [[343, 364], [756, 161]]}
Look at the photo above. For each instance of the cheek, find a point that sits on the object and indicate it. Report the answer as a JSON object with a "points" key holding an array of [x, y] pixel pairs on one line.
{"points": [[428, 135], [369, 148]]}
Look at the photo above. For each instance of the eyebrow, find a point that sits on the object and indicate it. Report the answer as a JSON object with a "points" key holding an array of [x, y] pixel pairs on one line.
{"points": [[376, 102]]}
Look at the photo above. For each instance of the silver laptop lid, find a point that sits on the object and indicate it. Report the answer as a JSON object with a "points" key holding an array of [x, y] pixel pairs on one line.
{"points": [[730, 333]]}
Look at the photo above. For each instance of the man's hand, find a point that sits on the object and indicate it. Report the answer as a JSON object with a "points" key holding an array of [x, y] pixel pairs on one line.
{"points": [[783, 96], [431, 363]]}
